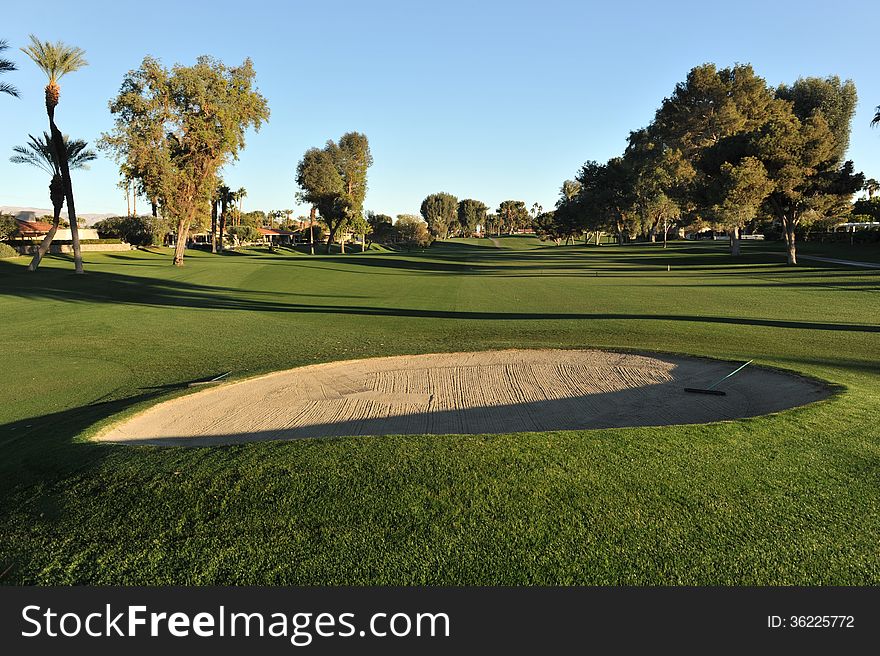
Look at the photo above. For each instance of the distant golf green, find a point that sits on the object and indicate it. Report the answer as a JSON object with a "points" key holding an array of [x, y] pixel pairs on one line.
{"points": [[792, 498]]}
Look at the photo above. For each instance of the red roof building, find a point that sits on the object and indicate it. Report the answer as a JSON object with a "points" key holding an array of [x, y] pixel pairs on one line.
{"points": [[32, 229]]}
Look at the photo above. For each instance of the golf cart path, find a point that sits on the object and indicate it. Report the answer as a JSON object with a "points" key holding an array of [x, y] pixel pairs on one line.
{"points": [[831, 260], [490, 392]]}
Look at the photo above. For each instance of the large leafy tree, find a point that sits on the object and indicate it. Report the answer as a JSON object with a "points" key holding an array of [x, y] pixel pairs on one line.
{"points": [[138, 140], [808, 178], [491, 224], [7, 66], [738, 191], [353, 158], [57, 60], [661, 179], [471, 213], [710, 105], [380, 227], [606, 200], [702, 132], [546, 227], [194, 118], [440, 212], [40, 152], [867, 207], [333, 180], [835, 100], [513, 215], [321, 185], [568, 220]]}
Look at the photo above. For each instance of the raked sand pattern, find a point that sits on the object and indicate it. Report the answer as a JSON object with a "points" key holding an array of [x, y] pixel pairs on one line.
{"points": [[473, 393]]}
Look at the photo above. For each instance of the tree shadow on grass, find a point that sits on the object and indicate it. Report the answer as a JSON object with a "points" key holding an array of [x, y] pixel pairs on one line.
{"points": [[115, 288], [40, 450]]}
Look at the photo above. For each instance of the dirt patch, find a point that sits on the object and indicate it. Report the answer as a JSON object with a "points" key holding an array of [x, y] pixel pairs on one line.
{"points": [[473, 393]]}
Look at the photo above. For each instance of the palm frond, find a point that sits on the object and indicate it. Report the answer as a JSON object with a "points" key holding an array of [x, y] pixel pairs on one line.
{"points": [[55, 59], [40, 153], [876, 117], [7, 66], [78, 156]]}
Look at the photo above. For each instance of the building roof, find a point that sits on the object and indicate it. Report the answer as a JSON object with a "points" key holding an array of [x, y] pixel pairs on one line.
{"points": [[272, 231], [30, 228]]}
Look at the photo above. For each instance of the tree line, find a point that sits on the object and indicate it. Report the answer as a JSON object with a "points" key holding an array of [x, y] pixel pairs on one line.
{"points": [[446, 216], [722, 150]]}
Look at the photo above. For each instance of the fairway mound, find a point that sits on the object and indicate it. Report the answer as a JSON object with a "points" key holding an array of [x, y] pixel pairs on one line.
{"points": [[473, 393]]}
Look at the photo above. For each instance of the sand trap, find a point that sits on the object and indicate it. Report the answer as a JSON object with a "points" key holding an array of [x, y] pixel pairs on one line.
{"points": [[487, 392]]}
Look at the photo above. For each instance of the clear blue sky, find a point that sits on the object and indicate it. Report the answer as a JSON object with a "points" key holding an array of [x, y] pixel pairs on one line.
{"points": [[489, 100]]}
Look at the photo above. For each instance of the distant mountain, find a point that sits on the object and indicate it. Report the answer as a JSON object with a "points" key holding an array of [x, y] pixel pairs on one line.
{"points": [[41, 211]]}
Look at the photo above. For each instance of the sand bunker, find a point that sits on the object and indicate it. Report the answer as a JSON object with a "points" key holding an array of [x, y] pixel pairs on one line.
{"points": [[487, 392]]}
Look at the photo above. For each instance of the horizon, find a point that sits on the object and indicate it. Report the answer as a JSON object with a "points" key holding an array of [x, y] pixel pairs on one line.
{"points": [[446, 105]]}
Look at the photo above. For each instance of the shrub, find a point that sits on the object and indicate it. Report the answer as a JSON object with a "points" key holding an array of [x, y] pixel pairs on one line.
{"points": [[244, 233], [412, 232], [319, 233], [8, 226], [7, 251], [136, 230]]}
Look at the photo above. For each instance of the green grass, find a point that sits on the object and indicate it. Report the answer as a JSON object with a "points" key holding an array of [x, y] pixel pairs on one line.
{"points": [[792, 498], [844, 251]]}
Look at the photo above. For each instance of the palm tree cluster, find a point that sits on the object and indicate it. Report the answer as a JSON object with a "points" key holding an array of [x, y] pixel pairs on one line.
{"points": [[57, 60], [41, 153]]}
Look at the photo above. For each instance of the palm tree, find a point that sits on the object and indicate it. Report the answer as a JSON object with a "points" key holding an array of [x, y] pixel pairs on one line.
{"points": [[226, 197], [215, 211], [312, 229], [40, 152], [57, 60], [7, 66], [876, 120], [872, 187], [240, 194]]}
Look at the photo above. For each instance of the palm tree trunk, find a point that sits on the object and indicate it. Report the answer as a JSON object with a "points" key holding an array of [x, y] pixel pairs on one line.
{"points": [[46, 243], [312, 231], [44, 246], [61, 153], [222, 231], [56, 195], [213, 226]]}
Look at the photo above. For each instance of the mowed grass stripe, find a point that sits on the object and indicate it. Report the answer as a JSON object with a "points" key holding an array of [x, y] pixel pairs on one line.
{"points": [[787, 499]]}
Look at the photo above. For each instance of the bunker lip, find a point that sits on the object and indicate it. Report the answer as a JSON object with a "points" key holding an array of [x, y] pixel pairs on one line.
{"points": [[484, 392]]}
